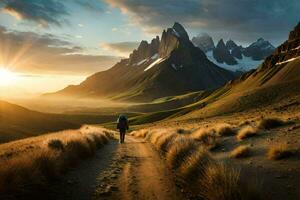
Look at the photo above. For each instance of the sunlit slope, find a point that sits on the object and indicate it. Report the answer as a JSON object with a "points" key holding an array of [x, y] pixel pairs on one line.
{"points": [[17, 122]]}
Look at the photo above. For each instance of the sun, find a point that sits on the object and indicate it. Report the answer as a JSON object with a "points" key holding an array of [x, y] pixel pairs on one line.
{"points": [[6, 77]]}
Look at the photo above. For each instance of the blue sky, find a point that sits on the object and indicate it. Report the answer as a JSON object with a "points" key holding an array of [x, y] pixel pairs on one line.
{"points": [[80, 37], [87, 27]]}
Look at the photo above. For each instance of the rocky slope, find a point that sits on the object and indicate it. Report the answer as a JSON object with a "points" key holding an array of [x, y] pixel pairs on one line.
{"points": [[170, 66], [222, 53]]}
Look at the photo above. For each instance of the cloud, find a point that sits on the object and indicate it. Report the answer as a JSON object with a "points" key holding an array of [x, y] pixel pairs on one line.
{"points": [[244, 19], [121, 48], [30, 52], [38, 11], [91, 5]]}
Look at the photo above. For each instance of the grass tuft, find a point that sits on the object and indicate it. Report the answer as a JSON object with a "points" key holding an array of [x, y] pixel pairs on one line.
{"points": [[194, 165], [225, 130], [207, 137], [164, 142], [241, 152], [280, 151], [56, 144], [246, 132], [179, 150], [221, 182], [244, 123], [269, 123], [182, 131]]}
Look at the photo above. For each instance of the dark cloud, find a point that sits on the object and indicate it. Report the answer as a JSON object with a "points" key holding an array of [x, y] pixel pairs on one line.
{"points": [[243, 19], [43, 12], [122, 48], [92, 5], [31, 52]]}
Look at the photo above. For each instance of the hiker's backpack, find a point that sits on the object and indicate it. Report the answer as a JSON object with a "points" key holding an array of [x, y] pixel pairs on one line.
{"points": [[122, 123]]}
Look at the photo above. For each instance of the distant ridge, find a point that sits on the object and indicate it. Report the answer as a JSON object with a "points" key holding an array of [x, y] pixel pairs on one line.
{"points": [[234, 57], [17, 122]]}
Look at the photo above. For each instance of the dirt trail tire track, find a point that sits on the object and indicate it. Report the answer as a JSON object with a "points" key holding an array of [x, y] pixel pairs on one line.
{"points": [[129, 171], [144, 174]]}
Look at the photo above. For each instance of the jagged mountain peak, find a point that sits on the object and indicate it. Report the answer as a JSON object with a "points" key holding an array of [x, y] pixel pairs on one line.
{"points": [[221, 44], [260, 39], [144, 51], [180, 31], [173, 38], [230, 44], [204, 42], [261, 42]]}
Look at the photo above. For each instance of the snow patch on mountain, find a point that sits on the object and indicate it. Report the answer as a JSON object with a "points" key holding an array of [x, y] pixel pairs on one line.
{"points": [[244, 64], [142, 61], [157, 61], [155, 56], [176, 67], [175, 32], [289, 60]]}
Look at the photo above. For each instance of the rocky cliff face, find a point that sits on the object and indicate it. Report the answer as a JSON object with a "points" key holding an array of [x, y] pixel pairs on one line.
{"points": [[204, 42], [222, 54], [236, 52], [230, 44], [172, 39], [144, 51], [286, 52]]}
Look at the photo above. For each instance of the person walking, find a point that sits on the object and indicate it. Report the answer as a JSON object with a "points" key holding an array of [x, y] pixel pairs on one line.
{"points": [[122, 125]]}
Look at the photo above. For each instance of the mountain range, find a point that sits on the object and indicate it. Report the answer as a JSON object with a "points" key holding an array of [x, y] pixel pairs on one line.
{"points": [[274, 84], [276, 80], [170, 65], [234, 57]]}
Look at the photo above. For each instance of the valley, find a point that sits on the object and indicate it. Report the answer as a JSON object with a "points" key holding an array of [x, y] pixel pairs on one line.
{"points": [[205, 121]]}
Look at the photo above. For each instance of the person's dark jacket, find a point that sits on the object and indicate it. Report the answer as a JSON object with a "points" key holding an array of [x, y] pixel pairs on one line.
{"points": [[122, 124]]}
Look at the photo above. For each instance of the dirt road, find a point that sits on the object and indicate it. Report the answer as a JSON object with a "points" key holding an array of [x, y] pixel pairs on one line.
{"points": [[133, 170]]}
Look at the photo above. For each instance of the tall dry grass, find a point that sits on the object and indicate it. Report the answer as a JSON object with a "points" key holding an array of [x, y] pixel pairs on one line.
{"points": [[241, 152], [269, 123], [206, 136], [189, 157], [225, 129], [180, 150], [34, 163], [222, 182], [280, 151], [246, 132]]}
